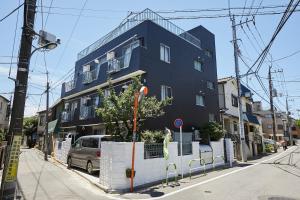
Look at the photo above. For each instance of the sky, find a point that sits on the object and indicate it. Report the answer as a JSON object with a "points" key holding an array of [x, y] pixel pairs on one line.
{"points": [[77, 28]]}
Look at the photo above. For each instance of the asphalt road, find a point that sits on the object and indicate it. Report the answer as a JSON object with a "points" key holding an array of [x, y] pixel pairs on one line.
{"points": [[275, 179], [269, 178], [41, 180]]}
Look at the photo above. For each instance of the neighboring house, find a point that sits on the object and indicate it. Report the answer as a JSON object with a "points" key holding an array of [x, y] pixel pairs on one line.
{"points": [[41, 128], [228, 102], [267, 122], [295, 130], [4, 112], [172, 63]]}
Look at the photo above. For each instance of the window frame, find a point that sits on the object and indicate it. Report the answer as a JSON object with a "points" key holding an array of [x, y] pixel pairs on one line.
{"points": [[162, 49], [203, 100], [201, 65], [233, 97], [212, 84], [164, 92]]}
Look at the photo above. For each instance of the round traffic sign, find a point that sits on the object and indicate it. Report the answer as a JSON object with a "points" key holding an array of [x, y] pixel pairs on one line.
{"points": [[178, 123]]}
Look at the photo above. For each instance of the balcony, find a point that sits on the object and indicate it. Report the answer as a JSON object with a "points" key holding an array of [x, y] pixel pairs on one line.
{"points": [[70, 85], [90, 76], [116, 64], [67, 116], [87, 112], [145, 15]]}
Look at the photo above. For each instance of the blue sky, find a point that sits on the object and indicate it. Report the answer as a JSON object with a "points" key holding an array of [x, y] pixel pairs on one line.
{"points": [[98, 18]]}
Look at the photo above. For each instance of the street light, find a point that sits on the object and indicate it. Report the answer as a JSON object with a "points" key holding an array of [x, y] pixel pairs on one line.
{"points": [[138, 96]]}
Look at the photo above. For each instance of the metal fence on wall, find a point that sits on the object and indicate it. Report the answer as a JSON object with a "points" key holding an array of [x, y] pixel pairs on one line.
{"points": [[154, 150]]}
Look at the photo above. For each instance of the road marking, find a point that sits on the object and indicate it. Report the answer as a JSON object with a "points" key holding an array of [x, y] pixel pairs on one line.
{"points": [[206, 181]]}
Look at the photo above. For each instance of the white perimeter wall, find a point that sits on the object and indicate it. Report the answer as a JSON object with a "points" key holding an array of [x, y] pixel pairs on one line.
{"points": [[116, 158]]}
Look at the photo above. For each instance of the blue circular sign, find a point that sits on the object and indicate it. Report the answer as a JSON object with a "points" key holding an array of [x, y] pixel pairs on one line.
{"points": [[178, 123]]}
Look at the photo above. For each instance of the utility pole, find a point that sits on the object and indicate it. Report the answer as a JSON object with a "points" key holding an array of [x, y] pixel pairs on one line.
{"points": [[288, 121], [9, 177], [47, 120], [272, 108], [237, 75]]}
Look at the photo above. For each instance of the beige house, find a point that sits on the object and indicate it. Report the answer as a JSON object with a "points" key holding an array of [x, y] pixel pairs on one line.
{"points": [[4, 112], [228, 102], [267, 122]]}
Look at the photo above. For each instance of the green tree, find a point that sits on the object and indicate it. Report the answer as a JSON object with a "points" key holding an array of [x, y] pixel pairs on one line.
{"points": [[116, 110], [298, 123], [211, 130], [30, 125]]}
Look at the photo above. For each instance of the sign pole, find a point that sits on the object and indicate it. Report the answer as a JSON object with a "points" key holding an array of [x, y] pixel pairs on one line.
{"points": [[181, 151]]}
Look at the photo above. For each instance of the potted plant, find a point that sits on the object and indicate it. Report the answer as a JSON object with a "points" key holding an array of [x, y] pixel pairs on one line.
{"points": [[128, 173]]}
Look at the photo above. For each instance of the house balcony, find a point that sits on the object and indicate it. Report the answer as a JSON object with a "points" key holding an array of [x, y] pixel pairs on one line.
{"points": [[87, 112], [70, 85], [67, 116], [90, 76]]}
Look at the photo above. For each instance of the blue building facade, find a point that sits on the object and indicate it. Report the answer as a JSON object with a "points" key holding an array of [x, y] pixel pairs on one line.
{"points": [[172, 63]]}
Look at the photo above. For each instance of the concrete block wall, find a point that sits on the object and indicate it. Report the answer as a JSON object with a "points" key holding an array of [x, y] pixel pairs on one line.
{"points": [[116, 158], [62, 153]]}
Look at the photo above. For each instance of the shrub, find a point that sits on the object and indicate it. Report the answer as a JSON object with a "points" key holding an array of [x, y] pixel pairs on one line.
{"points": [[212, 130], [269, 148], [152, 136]]}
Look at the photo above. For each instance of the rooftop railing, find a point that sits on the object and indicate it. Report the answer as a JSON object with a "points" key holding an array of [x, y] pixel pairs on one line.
{"points": [[147, 14]]}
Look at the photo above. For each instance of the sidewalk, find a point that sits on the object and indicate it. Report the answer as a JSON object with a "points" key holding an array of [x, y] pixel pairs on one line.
{"points": [[43, 180]]}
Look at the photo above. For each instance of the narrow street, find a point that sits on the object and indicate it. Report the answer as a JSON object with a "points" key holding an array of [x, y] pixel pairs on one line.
{"points": [[258, 179], [44, 180]]}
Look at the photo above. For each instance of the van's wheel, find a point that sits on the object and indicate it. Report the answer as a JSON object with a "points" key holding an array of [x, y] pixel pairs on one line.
{"points": [[69, 162], [89, 167]]}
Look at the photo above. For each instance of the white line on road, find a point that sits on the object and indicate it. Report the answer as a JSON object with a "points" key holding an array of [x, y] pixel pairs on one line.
{"points": [[206, 181]]}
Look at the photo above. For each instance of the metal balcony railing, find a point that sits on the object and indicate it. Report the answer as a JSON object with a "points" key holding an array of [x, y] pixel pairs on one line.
{"points": [[147, 14], [66, 116], [70, 85], [116, 64], [87, 112], [90, 76]]}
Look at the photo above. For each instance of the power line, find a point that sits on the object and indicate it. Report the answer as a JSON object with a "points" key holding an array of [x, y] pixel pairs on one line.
{"points": [[282, 58], [71, 35], [14, 41], [17, 8], [283, 20]]}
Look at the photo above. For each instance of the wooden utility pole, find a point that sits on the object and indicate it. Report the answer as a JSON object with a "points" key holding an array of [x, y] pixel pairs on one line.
{"points": [[9, 177], [272, 108]]}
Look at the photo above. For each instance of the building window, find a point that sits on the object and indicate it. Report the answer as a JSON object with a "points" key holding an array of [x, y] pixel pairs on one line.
{"points": [[235, 126], [234, 100], [208, 53], [269, 126], [210, 85], [165, 53], [211, 117], [269, 116], [248, 108], [106, 93], [198, 65], [166, 92], [42, 120], [200, 100], [1, 105], [280, 127]]}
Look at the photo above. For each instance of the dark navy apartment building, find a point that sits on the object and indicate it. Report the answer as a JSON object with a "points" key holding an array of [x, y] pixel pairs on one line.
{"points": [[172, 63]]}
